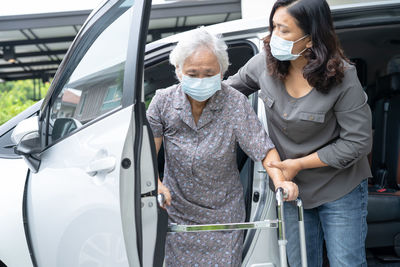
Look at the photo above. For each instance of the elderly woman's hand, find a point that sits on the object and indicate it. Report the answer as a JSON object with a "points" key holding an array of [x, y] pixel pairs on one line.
{"points": [[162, 189], [289, 188]]}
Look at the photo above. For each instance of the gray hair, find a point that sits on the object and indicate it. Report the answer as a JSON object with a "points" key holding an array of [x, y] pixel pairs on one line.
{"points": [[194, 40]]}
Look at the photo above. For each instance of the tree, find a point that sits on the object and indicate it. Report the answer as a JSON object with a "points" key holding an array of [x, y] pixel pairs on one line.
{"points": [[17, 96]]}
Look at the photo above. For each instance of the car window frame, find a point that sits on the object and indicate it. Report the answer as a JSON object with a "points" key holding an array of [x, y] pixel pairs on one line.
{"points": [[82, 43]]}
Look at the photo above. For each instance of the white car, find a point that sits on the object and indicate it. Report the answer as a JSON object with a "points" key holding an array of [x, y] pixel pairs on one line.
{"points": [[81, 188]]}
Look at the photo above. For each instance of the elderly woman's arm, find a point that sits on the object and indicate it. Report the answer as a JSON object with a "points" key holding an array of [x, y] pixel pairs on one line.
{"points": [[162, 189], [155, 119], [255, 142]]}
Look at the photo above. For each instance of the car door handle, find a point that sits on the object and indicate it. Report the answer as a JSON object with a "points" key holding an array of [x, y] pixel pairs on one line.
{"points": [[103, 165]]}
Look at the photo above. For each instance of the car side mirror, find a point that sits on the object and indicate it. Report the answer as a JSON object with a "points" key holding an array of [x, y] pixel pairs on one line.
{"points": [[27, 140]]}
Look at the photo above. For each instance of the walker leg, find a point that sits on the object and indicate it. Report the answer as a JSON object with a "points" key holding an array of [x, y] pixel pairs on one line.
{"points": [[302, 235], [281, 228]]}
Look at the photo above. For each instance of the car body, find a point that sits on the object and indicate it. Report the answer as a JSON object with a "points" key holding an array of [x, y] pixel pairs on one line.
{"points": [[89, 194], [15, 251]]}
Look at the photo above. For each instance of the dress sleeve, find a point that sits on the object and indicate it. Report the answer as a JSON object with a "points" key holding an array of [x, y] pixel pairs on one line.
{"points": [[154, 115], [246, 79], [354, 119], [249, 132]]}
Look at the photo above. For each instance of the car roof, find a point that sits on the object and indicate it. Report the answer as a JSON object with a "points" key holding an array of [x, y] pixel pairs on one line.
{"points": [[344, 14], [224, 29]]}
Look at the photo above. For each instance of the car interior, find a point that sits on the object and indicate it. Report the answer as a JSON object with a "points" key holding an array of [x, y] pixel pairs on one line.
{"points": [[375, 50]]}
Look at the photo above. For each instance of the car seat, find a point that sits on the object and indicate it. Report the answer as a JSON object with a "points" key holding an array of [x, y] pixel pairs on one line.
{"points": [[384, 196]]}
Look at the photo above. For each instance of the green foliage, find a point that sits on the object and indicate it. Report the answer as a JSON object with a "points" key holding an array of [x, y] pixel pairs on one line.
{"points": [[17, 96]]}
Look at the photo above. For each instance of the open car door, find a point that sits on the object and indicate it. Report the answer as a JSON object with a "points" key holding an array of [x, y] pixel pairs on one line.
{"points": [[90, 198]]}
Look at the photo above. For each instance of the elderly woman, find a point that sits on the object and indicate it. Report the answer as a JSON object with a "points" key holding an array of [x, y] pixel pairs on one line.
{"points": [[200, 121]]}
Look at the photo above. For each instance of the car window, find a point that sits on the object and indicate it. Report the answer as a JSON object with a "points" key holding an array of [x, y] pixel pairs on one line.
{"points": [[158, 75], [95, 86], [239, 53]]}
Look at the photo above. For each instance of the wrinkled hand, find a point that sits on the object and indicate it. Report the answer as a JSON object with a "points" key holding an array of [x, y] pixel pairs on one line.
{"points": [[162, 189], [290, 167], [290, 188]]}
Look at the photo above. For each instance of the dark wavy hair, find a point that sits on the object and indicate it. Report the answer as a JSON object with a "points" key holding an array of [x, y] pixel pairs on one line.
{"points": [[324, 67]]}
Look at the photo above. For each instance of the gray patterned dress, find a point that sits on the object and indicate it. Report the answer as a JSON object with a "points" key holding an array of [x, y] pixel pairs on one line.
{"points": [[201, 171]]}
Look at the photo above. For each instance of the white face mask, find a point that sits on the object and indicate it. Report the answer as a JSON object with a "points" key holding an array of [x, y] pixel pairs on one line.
{"points": [[281, 49], [201, 89]]}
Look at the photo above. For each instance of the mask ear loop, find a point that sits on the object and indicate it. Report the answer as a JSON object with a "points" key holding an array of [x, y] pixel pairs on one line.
{"points": [[301, 52], [300, 39]]}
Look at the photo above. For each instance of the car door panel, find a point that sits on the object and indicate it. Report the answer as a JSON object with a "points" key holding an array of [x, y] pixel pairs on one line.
{"points": [[75, 216], [150, 242], [85, 202]]}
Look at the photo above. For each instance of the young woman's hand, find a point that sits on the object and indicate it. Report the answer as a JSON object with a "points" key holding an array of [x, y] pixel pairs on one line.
{"points": [[289, 167], [162, 189]]}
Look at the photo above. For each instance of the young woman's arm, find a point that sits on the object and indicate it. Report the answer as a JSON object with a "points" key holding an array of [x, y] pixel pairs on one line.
{"points": [[278, 176], [291, 167]]}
